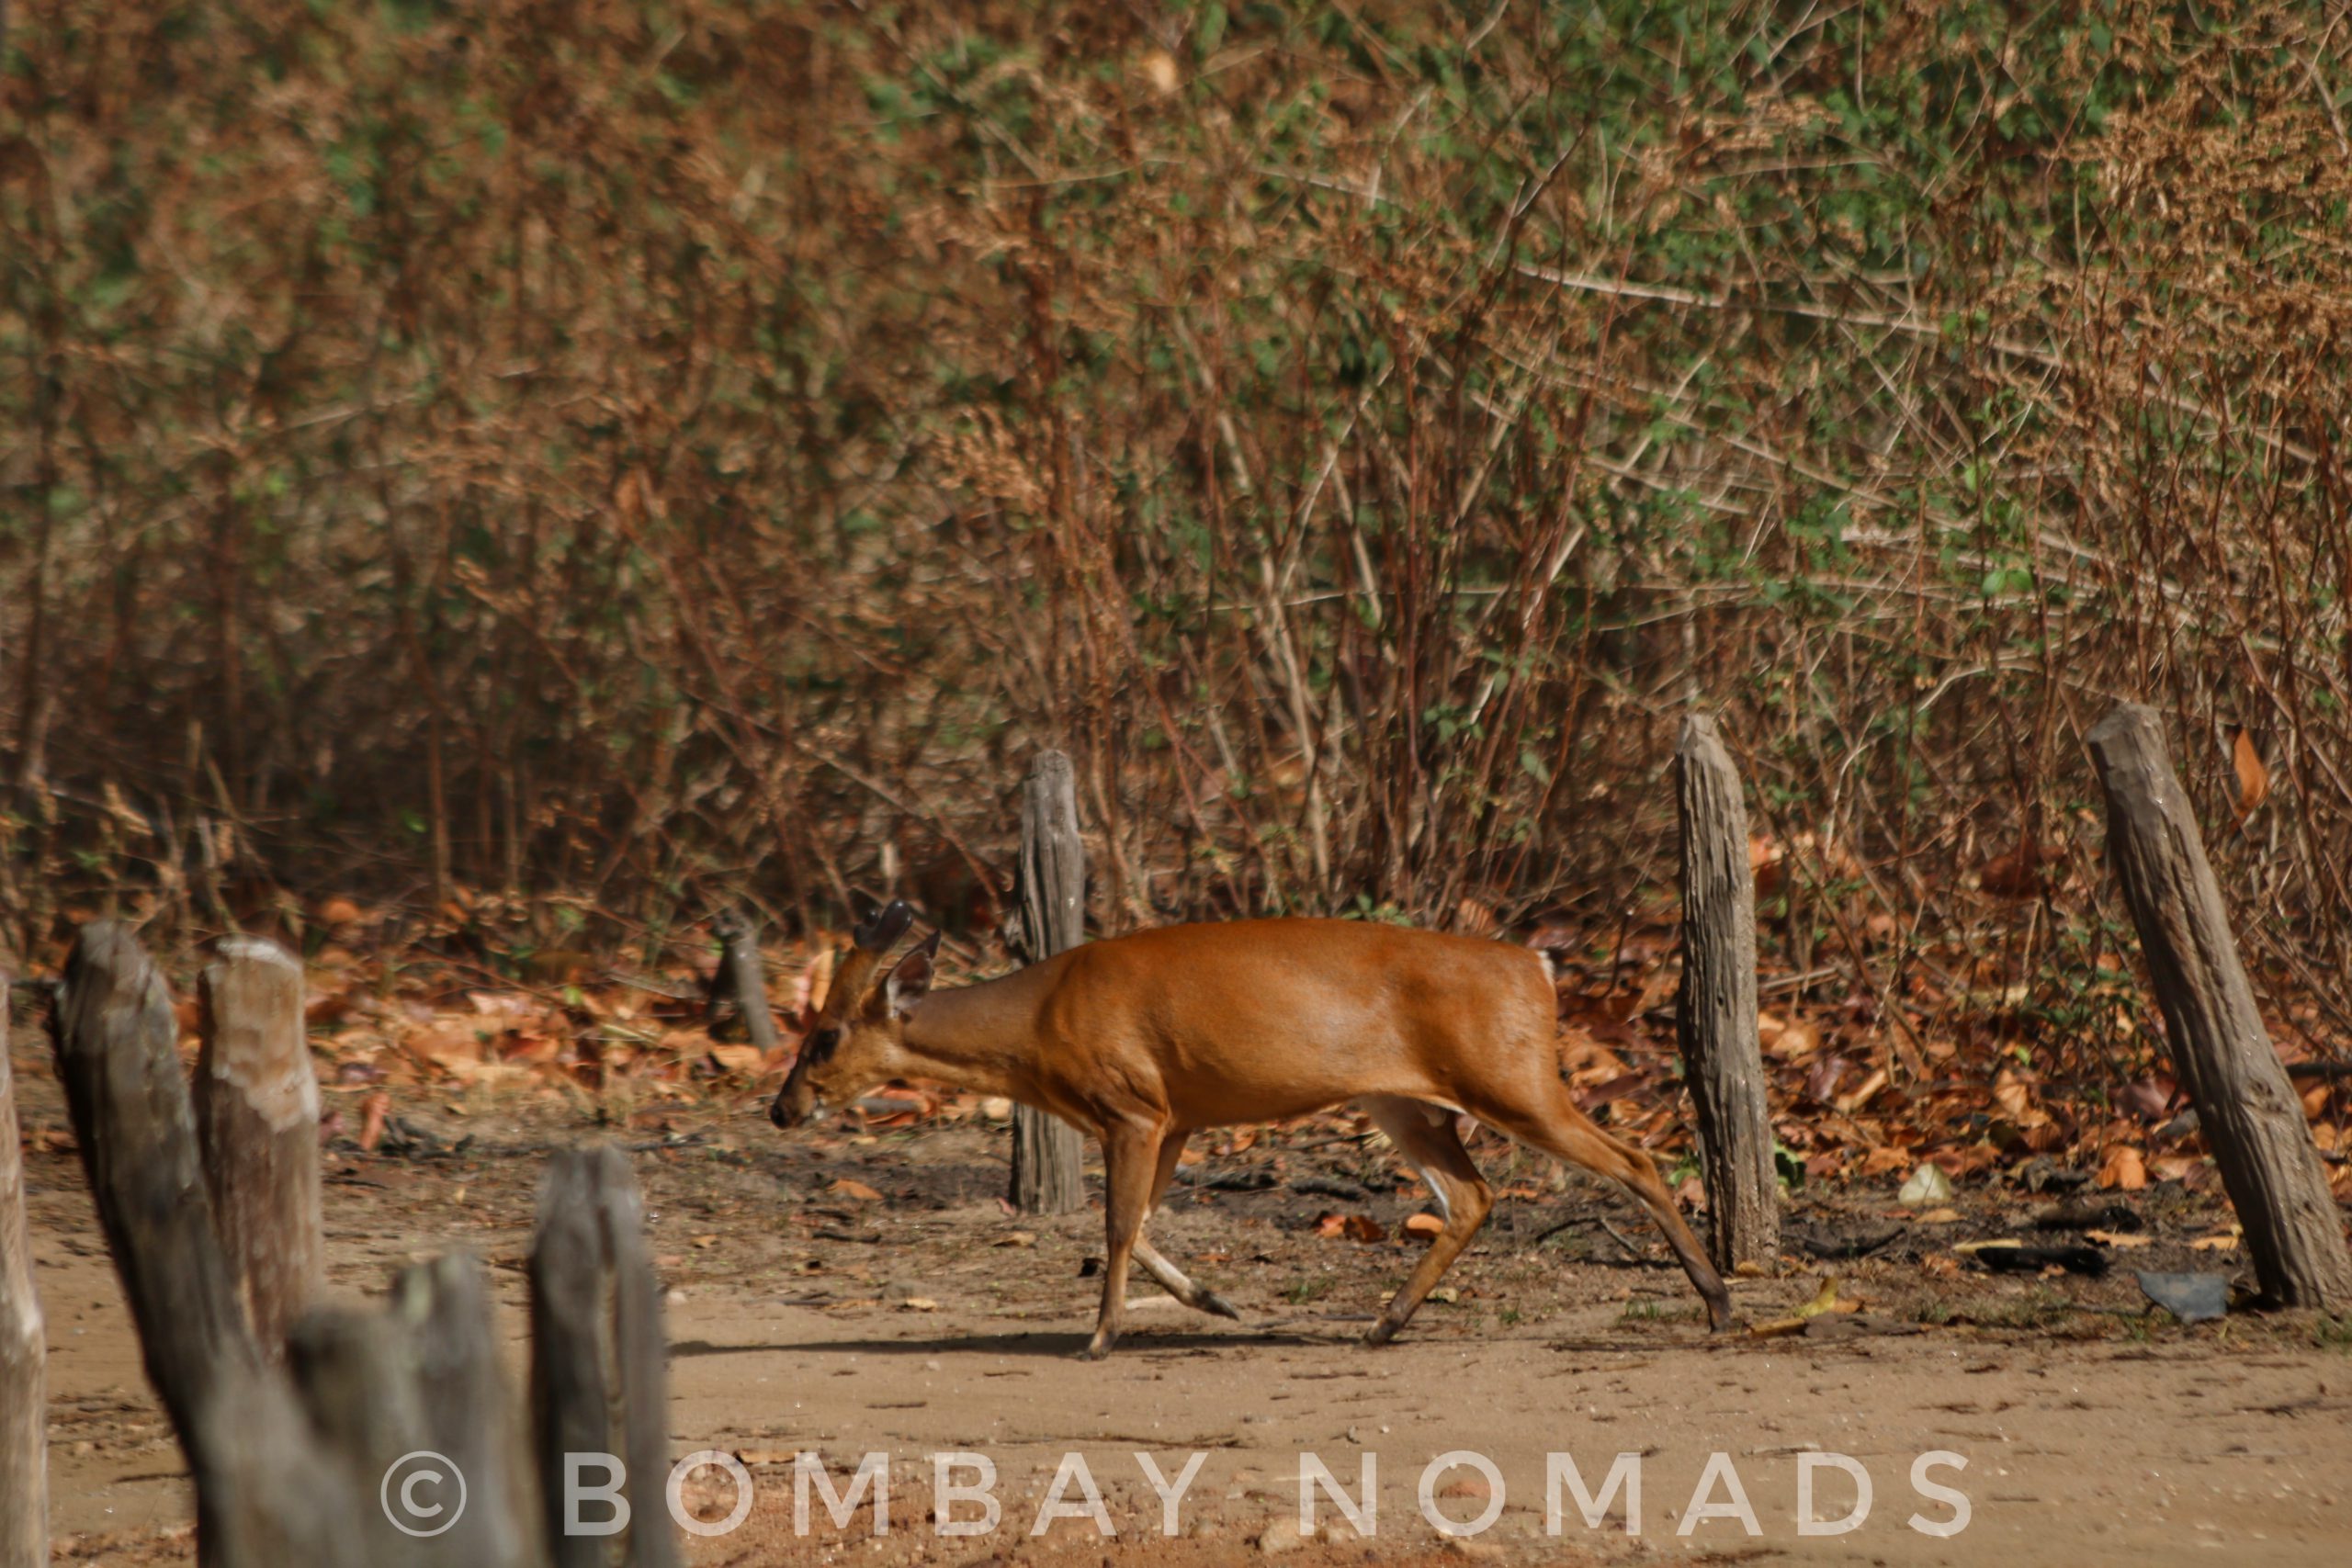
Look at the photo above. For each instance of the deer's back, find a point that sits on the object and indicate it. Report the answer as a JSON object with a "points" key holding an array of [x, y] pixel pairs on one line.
{"points": [[1248, 1020]]}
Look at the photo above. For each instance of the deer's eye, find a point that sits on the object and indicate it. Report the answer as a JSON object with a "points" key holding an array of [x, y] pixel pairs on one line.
{"points": [[821, 1043]]}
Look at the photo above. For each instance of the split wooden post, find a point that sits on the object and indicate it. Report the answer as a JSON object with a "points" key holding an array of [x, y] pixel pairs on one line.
{"points": [[1046, 1150], [740, 979], [24, 1345], [2220, 1047], [296, 1462], [598, 1377], [265, 1490], [258, 1119], [1715, 1011]]}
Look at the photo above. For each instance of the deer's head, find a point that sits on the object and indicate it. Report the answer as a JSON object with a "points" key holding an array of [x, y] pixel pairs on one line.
{"points": [[854, 1042]]}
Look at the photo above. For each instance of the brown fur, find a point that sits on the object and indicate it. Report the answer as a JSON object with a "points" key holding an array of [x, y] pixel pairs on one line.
{"points": [[1143, 1040]]}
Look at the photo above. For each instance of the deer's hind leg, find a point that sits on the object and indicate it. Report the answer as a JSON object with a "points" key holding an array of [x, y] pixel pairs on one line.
{"points": [[1562, 1130], [1172, 1278], [1424, 1134]]}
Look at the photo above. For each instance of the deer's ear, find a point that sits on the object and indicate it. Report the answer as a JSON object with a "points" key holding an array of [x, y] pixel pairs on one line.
{"points": [[911, 978]]}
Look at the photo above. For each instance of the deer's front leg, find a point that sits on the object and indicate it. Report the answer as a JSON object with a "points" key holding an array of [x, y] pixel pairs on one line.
{"points": [[1130, 1156]]}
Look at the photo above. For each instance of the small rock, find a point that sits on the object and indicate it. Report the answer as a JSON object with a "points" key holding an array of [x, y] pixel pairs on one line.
{"points": [[2192, 1298], [1929, 1187], [1281, 1536]]}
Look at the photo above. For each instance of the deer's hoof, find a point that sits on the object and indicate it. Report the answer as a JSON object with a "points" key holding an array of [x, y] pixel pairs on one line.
{"points": [[1211, 1302]]}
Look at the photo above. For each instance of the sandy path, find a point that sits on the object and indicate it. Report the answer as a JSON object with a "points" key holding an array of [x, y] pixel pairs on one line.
{"points": [[2139, 1444]]}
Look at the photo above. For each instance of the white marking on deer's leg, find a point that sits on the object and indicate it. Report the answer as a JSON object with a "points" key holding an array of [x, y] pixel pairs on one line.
{"points": [[1424, 1134], [1179, 1285], [1437, 1191], [1166, 1273]]}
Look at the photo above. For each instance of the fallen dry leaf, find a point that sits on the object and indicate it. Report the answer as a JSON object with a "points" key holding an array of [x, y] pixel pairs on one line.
{"points": [[1352, 1227], [2254, 779], [2122, 1170], [2026, 872], [336, 911], [745, 1059], [1864, 1092], [1884, 1158], [1429, 1227], [856, 1192], [1824, 1300], [1787, 1040]]}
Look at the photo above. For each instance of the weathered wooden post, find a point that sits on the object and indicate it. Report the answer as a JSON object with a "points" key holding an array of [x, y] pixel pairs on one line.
{"points": [[385, 1440], [412, 1402], [258, 1119], [598, 1378], [264, 1492], [2249, 1111], [1715, 1012], [1046, 1150], [740, 979], [24, 1344]]}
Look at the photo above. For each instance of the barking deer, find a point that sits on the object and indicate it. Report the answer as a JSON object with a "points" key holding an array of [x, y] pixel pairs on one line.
{"points": [[1144, 1040]]}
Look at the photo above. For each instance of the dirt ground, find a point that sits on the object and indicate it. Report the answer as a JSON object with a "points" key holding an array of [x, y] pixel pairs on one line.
{"points": [[855, 1294]]}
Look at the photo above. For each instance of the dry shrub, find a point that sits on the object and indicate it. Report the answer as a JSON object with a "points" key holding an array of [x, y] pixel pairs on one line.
{"points": [[644, 450]]}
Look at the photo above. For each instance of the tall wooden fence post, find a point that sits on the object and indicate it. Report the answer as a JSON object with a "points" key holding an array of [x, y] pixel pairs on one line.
{"points": [[1715, 1013], [1046, 1150], [264, 1492], [2223, 1052], [258, 1119], [598, 1373], [24, 1406]]}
